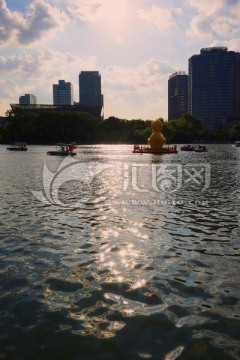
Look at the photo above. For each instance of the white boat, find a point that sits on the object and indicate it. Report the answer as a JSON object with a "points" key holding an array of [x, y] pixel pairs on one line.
{"points": [[19, 146]]}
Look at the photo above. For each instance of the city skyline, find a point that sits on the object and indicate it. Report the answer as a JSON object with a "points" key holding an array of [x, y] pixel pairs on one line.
{"points": [[135, 45]]}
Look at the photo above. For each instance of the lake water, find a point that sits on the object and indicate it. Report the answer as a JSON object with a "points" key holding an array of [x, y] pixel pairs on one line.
{"points": [[117, 256]]}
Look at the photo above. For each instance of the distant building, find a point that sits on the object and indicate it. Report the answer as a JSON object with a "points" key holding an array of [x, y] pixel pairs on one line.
{"points": [[90, 88], [27, 99], [63, 93], [177, 95], [214, 86], [90, 92]]}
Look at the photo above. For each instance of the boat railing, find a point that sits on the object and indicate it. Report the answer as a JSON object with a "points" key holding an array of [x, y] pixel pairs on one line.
{"points": [[167, 149]]}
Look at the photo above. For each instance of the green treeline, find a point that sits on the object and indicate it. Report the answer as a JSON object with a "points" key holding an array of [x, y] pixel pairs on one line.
{"points": [[50, 127]]}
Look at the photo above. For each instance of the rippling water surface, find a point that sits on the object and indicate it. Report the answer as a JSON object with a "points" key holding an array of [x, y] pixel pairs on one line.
{"points": [[125, 256]]}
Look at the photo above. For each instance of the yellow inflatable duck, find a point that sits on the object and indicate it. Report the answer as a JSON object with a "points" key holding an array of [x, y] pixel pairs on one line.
{"points": [[157, 140]]}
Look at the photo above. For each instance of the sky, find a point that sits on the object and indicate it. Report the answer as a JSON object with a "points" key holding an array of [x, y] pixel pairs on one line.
{"points": [[134, 44]]}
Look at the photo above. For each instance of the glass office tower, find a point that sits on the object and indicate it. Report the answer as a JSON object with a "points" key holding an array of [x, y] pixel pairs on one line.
{"points": [[90, 88], [63, 93], [177, 95], [214, 86], [28, 99]]}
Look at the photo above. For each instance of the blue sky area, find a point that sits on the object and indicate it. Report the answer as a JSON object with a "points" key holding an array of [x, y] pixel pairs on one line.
{"points": [[135, 45]]}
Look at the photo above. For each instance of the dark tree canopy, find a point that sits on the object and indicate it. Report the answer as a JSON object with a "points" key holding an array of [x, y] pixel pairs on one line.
{"points": [[49, 127]]}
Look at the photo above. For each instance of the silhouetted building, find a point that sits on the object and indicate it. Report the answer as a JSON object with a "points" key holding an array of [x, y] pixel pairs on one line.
{"points": [[177, 95], [92, 99], [90, 88], [63, 93], [27, 99], [214, 86]]}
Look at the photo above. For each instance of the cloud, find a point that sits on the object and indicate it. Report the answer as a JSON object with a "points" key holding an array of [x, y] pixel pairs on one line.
{"points": [[9, 22], [23, 63], [200, 27], [232, 44], [42, 21], [85, 10], [221, 19], [204, 7], [142, 78], [141, 89], [162, 18], [8, 87]]}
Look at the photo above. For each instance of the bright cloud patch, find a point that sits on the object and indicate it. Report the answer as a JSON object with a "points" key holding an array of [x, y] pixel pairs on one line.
{"points": [[143, 78], [160, 17]]}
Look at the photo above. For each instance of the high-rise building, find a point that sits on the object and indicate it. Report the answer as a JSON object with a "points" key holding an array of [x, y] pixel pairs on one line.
{"points": [[214, 86], [63, 93], [177, 95], [90, 88], [28, 99]]}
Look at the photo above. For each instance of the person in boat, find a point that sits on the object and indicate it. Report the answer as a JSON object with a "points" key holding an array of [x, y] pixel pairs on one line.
{"points": [[71, 148], [62, 149]]}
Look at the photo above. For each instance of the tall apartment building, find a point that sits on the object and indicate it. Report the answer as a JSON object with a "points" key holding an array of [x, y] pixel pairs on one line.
{"points": [[214, 86], [177, 95], [63, 93], [28, 99], [90, 88]]}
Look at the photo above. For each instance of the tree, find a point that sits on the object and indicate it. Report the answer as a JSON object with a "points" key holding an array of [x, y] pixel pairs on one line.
{"points": [[168, 131], [235, 132], [141, 135], [196, 122], [183, 130]]}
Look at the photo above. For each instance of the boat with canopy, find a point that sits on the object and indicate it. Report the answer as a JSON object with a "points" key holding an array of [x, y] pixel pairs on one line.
{"points": [[63, 149]]}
